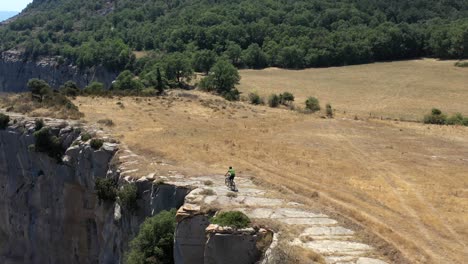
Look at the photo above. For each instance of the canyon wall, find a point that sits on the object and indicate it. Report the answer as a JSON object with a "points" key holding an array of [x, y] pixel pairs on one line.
{"points": [[15, 73], [49, 210]]}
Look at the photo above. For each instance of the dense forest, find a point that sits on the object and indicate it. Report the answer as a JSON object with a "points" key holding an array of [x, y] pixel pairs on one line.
{"points": [[253, 34]]}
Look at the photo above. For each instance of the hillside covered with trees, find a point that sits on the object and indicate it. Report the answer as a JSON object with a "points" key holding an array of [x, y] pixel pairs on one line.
{"points": [[193, 34]]}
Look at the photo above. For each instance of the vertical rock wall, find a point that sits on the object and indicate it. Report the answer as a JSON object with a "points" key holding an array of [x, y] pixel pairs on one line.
{"points": [[15, 73], [49, 212]]}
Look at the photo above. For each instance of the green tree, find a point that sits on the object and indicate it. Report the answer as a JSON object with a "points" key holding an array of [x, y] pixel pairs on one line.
{"points": [[223, 77], [159, 81], [312, 104], [286, 98], [254, 57], [177, 67], [203, 60], [127, 81], [154, 243], [39, 89]]}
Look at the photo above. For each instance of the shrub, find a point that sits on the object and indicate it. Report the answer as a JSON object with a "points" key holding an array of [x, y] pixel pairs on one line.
{"points": [[207, 192], [155, 241], [232, 95], [312, 104], [70, 88], [273, 100], [106, 189], [255, 99], [231, 195], [208, 183], [234, 219], [461, 64], [48, 143], [329, 110], [128, 197], [4, 120], [456, 119], [85, 137], [95, 88], [96, 143], [106, 122], [436, 117], [286, 98], [38, 124]]}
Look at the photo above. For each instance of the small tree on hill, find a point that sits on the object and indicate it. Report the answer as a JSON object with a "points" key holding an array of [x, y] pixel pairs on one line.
{"points": [[329, 110], [159, 81], [312, 104], [436, 117], [273, 100], [39, 89], [286, 98], [222, 79]]}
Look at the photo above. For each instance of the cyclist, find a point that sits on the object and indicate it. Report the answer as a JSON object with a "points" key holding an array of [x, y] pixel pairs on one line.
{"points": [[231, 173]]}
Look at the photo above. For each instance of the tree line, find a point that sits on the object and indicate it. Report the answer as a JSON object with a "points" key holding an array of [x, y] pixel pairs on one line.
{"points": [[253, 34]]}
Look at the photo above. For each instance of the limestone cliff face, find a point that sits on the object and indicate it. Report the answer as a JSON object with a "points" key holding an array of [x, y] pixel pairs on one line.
{"points": [[15, 73], [49, 212]]}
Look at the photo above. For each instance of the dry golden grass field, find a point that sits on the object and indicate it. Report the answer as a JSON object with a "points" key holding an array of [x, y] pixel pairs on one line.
{"points": [[407, 183], [404, 89]]}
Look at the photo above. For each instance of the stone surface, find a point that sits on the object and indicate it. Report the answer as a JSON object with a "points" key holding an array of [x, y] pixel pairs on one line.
{"points": [[190, 239], [15, 73], [231, 249], [49, 211], [369, 261]]}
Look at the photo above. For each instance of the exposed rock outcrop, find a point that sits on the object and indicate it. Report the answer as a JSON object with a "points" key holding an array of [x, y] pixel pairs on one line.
{"points": [[49, 211], [15, 72]]}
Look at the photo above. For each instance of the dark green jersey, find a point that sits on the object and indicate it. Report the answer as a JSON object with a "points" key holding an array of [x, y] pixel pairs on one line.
{"points": [[232, 172]]}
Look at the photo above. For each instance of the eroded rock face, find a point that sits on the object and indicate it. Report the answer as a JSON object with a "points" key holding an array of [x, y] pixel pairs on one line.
{"points": [[49, 211], [15, 73]]}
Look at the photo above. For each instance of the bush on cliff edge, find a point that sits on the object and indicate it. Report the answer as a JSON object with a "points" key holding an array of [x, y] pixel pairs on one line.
{"points": [[155, 241]]}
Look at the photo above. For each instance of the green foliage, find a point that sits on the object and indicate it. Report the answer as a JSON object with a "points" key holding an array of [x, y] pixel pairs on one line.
{"points": [[4, 120], [436, 117], [203, 60], [456, 119], [48, 143], [85, 137], [128, 196], [286, 98], [255, 99], [312, 104], [461, 64], [329, 110], [154, 243], [177, 68], [96, 143], [252, 33], [70, 88], [39, 89], [232, 219], [222, 79], [127, 81], [274, 100], [94, 88], [232, 95], [38, 124], [254, 57], [106, 189]]}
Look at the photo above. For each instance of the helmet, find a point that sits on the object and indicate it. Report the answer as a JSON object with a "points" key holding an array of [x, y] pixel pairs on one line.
{"points": [[230, 167]]}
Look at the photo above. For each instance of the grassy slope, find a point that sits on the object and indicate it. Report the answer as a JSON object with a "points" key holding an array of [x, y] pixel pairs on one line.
{"points": [[406, 89], [404, 181]]}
